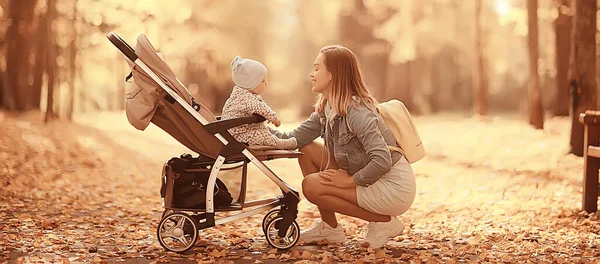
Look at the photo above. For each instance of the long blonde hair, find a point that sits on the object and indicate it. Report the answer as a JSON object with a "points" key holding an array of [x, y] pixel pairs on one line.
{"points": [[346, 81]]}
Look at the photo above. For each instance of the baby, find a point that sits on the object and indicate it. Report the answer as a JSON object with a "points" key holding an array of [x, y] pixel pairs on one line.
{"points": [[250, 78]]}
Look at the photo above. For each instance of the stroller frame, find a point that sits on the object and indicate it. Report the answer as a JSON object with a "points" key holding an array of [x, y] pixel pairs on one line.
{"points": [[186, 226]]}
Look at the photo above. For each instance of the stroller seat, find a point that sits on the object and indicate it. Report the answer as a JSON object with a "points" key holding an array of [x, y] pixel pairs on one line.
{"points": [[261, 148], [270, 153]]}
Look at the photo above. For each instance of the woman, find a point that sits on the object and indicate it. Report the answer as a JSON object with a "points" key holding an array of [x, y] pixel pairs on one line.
{"points": [[362, 177]]}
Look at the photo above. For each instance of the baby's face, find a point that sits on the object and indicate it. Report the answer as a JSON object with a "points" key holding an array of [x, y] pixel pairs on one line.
{"points": [[262, 86]]}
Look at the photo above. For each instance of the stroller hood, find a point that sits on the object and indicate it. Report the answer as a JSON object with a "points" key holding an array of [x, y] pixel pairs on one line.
{"points": [[147, 102]]}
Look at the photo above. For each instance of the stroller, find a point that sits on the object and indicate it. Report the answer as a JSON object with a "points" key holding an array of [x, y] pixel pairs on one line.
{"points": [[191, 190]]}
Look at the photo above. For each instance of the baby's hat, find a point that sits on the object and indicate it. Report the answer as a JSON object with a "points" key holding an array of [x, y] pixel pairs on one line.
{"points": [[247, 73]]}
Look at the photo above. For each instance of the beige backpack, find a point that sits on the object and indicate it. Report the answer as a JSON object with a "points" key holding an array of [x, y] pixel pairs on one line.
{"points": [[398, 120]]}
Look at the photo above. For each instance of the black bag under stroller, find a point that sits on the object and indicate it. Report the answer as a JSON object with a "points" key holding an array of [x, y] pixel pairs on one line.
{"points": [[191, 181]]}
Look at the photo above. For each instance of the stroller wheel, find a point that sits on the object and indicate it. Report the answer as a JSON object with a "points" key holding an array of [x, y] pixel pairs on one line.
{"points": [[177, 232], [290, 239], [270, 215], [166, 212]]}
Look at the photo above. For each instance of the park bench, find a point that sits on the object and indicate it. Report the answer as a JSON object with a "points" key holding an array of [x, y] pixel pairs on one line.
{"points": [[591, 159]]}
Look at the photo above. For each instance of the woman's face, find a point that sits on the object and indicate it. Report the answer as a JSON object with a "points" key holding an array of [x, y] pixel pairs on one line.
{"points": [[320, 76]]}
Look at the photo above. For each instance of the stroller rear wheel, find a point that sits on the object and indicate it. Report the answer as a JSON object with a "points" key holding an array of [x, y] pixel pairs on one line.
{"points": [[290, 239], [268, 217], [177, 232]]}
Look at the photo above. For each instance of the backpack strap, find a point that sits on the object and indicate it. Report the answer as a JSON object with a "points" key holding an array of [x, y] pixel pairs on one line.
{"points": [[390, 148]]}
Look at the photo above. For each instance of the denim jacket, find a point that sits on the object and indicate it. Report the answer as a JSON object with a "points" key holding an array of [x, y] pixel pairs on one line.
{"points": [[359, 141]]}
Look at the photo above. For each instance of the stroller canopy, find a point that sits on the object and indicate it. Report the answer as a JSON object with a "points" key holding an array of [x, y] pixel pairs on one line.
{"points": [[148, 102]]}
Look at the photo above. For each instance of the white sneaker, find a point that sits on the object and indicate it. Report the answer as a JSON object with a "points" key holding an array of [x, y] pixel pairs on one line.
{"points": [[377, 234], [321, 231]]}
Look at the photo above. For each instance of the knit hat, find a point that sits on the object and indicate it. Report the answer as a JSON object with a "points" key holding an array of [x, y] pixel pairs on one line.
{"points": [[247, 73]]}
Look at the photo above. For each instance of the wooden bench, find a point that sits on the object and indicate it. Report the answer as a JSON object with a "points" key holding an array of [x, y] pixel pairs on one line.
{"points": [[591, 159]]}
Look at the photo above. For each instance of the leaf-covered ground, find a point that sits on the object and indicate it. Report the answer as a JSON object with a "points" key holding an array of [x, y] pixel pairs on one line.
{"points": [[490, 190]]}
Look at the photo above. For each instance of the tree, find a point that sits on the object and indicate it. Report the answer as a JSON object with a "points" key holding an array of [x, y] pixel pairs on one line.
{"points": [[480, 81], [51, 67], [399, 31], [562, 28], [582, 72], [207, 65], [40, 59], [73, 67], [536, 111], [356, 27], [307, 47], [3, 21], [16, 89], [462, 90]]}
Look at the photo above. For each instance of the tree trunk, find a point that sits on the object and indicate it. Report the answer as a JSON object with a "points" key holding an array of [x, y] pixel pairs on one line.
{"points": [[582, 73], [398, 84], [50, 61], [119, 98], [480, 104], [2, 57], [406, 93], [23, 90], [562, 28], [536, 110], [80, 95], [40, 61], [375, 62], [72, 65], [121, 88], [13, 50], [434, 93], [463, 88], [435, 62], [352, 33], [16, 87]]}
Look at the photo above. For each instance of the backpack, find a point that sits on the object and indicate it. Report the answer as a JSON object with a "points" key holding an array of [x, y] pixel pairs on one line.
{"points": [[399, 122]]}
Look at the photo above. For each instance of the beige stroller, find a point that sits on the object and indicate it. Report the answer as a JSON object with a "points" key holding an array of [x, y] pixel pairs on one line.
{"points": [[191, 188]]}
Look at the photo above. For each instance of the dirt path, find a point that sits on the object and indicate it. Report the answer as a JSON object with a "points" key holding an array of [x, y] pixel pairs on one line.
{"points": [[488, 191]]}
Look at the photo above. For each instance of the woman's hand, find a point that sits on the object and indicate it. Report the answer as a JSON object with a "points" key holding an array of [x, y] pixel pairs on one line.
{"points": [[337, 178]]}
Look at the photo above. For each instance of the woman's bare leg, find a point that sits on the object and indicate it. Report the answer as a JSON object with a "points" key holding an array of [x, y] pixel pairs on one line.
{"points": [[333, 199], [315, 156]]}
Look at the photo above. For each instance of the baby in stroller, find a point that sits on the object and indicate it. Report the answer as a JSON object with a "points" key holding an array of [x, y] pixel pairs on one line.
{"points": [[250, 78]]}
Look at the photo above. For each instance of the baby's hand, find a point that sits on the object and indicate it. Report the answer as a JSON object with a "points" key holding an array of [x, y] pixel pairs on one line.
{"points": [[277, 122]]}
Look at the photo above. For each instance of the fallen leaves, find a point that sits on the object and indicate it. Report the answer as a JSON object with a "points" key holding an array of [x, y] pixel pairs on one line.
{"points": [[306, 255], [49, 224], [93, 249], [86, 196]]}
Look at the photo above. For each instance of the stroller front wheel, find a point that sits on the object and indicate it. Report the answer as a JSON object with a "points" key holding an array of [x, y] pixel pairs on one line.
{"points": [[177, 232], [292, 235], [268, 217]]}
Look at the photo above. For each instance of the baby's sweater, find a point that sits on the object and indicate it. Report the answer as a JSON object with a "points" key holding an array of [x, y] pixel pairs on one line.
{"points": [[241, 103]]}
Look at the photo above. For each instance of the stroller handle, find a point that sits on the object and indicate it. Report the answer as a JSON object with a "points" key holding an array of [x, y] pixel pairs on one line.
{"points": [[122, 46]]}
